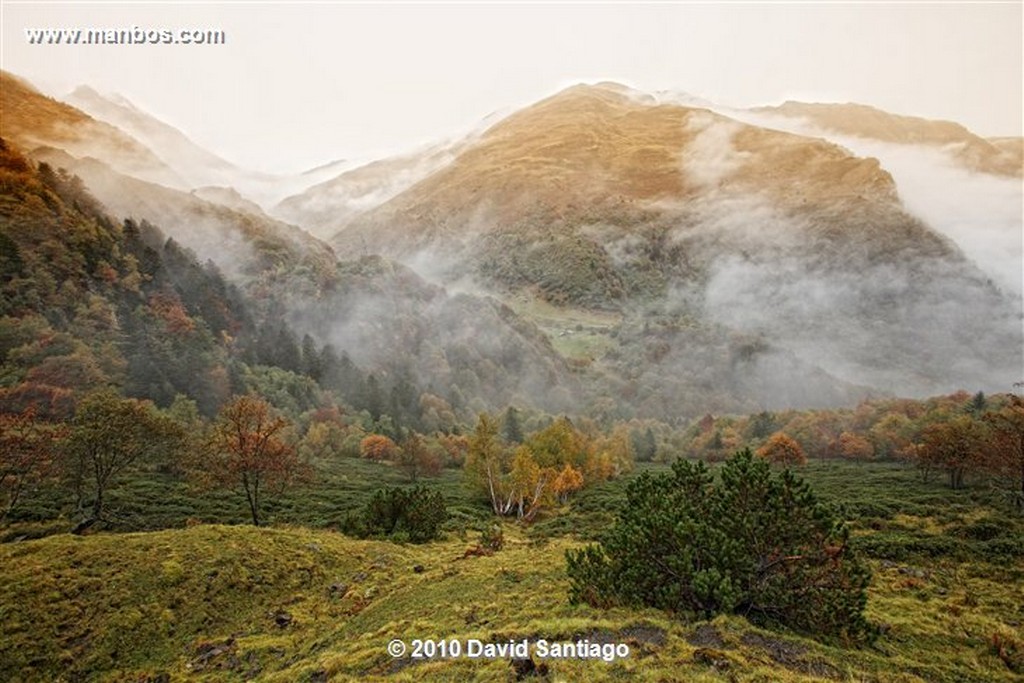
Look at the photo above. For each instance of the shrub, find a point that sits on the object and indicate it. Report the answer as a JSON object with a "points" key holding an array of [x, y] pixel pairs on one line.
{"points": [[413, 514], [756, 543]]}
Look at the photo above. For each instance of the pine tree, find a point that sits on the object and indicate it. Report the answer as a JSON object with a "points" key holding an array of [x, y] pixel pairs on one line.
{"points": [[755, 543]]}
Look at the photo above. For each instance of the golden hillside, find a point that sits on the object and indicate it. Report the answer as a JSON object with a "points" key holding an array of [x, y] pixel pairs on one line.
{"points": [[31, 120]]}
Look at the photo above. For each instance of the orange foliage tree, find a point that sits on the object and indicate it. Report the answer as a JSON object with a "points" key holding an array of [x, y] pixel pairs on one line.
{"points": [[780, 449], [378, 447], [247, 448], [955, 447]]}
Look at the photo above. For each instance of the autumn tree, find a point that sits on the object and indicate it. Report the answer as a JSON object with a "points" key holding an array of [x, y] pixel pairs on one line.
{"points": [[955, 446], [1005, 452], [378, 447], [26, 455], [247, 448], [853, 446], [780, 449], [530, 484], [568, 481], [488, 463], [109, 435], [416, 458]]}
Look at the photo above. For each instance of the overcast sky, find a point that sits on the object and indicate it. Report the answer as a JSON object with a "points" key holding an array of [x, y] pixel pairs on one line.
{"points": [[299, 85]]}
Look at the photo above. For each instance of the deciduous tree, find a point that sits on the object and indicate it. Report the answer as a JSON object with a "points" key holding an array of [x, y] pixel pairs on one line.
{"points": [[108, 435], [780, 449], [26, 455], [1005, 453], [247, 448]]}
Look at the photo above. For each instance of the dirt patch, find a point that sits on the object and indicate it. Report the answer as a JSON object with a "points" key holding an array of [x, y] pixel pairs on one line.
{"points": [[791, 656], [706, 635], [638, 635]]}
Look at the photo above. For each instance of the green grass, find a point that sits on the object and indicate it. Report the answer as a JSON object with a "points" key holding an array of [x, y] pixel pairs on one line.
{"points": [[576, 333], [203, 603]]}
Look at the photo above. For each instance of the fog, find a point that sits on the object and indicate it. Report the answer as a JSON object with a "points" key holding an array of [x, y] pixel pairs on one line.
{"points": [[982, 213]]}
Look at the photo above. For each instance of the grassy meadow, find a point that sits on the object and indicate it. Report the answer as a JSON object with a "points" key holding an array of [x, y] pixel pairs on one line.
{"points": [[167, 596]]}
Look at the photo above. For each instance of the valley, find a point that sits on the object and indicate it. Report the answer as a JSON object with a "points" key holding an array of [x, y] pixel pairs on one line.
{"points": [[258, 426]]}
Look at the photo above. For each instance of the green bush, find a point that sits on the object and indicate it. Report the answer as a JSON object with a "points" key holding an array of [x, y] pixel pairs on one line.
{"points": [[413, 514], [755, 543]]}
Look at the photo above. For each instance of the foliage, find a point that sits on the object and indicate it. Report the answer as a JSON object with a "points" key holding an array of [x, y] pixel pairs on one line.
{"points": [[27, 451], [378, 447], [413, 514], [755, 543], [547, 467], [246, 448], [108, 435], [1005, 453], [780, 449]]}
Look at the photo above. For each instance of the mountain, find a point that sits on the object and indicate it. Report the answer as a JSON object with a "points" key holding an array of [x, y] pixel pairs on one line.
{"points": [[252, 249], [598, 199], [606, 252], [33, 120], [325, 208], [970, 150], [196, 166]]}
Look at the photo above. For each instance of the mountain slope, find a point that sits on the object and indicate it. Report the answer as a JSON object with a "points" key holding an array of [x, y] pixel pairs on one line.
{"points": [[196, 165], [597, 198], [974, 152], [32, 120]]}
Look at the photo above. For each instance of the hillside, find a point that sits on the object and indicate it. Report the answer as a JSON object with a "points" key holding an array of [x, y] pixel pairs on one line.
{"points": [[326, 207], [291, 604], [632, 256], [33, 120], [974, 152], [598, 199], [195, 165]]}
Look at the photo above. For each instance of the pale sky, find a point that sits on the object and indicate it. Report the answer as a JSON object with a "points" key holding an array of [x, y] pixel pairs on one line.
{"points": [[297, 85]]}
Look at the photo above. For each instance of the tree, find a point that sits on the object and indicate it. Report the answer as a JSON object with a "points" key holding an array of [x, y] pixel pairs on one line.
{"points": [[26, 455], [568, 481], [247, 449], [954, 446], [414, 514], [754, 543], [108, 435], [488, 463], [1006, 447], [645, 447], [378, 447], [780, 449], [855, 447], [510, 428], [415, 458]]}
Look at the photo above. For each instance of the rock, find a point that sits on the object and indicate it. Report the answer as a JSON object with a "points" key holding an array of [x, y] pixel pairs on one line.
{"points": [[338, 589], [282, 619], [418, 569]]}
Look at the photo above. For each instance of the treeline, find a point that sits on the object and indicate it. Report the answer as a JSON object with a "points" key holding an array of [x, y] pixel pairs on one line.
{"points": [[960, 436]]}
